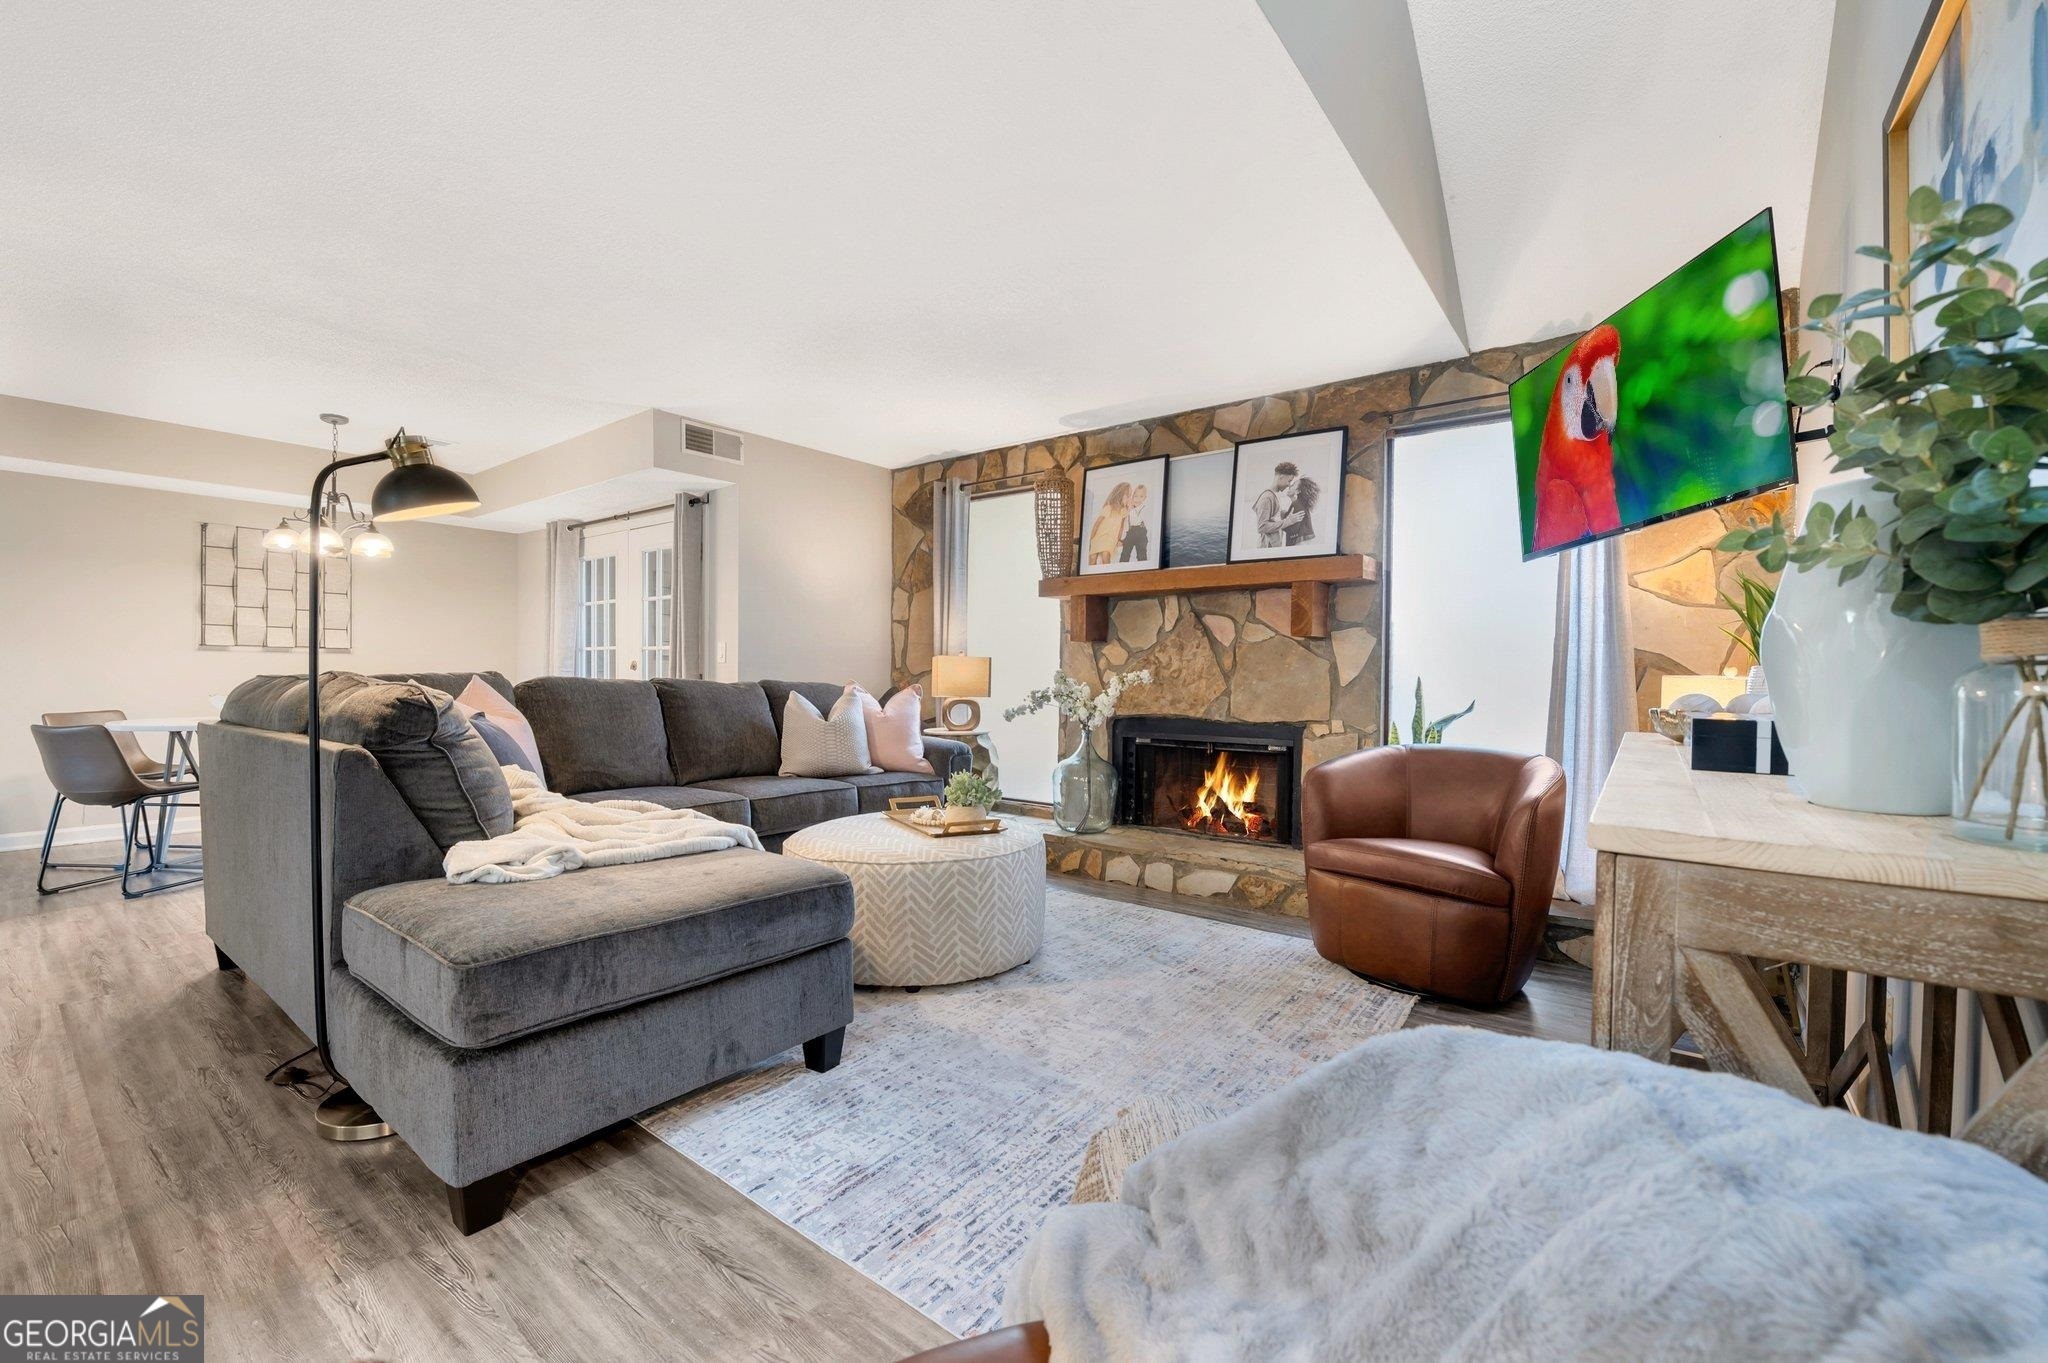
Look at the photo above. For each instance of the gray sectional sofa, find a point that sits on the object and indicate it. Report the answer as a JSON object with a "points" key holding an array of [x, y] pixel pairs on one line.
{"points": [[490, 1024], [714, 746]]}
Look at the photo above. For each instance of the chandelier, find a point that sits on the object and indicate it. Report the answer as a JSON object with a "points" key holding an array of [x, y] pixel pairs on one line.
{"points": [[343, 529]]}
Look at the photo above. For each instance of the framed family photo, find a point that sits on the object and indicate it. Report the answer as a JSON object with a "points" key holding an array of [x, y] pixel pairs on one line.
{"points": [[1123, 513], [1288, 497]]}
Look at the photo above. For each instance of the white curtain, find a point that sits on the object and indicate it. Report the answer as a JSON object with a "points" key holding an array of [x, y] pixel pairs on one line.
{"points": [[949, 567], [686, 602], [1592, 693], [565, 595]]}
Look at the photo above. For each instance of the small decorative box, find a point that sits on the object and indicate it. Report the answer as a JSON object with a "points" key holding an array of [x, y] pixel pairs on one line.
{"points": [[1748, 745]]}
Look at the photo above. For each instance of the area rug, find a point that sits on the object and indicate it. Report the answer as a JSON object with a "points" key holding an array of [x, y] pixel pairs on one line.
{"points": [[960, 1114]]}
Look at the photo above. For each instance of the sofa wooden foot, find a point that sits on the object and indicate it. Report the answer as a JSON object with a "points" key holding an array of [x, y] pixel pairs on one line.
{"points": [[480, 1205], [223, 961], [821, 1053]]}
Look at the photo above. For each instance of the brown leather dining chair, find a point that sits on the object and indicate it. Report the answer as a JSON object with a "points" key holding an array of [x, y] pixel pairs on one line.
{"points": [[88, 767], [1431, 868]]}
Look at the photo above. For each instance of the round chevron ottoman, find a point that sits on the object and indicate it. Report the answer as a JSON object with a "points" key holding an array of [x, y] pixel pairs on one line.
{"points": [[933, 910]]}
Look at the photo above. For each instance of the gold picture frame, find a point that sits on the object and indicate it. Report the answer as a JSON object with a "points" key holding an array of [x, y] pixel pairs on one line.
{"points": [[1935, 32]]}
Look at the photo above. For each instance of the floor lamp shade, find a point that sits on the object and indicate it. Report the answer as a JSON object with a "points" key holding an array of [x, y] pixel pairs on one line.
{"points": [[421, 488], [958, 680]]}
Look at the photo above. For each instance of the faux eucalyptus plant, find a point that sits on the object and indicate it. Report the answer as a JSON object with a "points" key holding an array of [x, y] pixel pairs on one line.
{"points": [[1952, 431]]}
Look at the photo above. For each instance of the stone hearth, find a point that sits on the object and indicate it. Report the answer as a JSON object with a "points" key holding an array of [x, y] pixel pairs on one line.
{"points": [[1258, 876]]}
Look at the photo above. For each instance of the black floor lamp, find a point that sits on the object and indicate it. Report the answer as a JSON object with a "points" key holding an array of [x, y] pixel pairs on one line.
{"points": [[415, 487]]}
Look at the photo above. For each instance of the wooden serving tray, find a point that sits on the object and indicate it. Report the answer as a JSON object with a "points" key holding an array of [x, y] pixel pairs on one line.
{"points": [[901, 805]]}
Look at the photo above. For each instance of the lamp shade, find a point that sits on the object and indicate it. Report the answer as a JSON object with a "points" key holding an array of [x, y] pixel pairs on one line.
{"points": [[412, 490], [1722, 689], [959, 674]]}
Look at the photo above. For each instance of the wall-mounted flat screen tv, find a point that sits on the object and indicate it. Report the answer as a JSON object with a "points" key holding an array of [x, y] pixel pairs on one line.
{"points": [[1675, 403]]}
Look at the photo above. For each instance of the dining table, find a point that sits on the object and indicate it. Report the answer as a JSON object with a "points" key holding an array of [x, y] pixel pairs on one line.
{"points": [[180, 763]]}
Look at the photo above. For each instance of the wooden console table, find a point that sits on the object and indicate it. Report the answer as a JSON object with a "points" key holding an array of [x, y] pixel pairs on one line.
{"points": [[1702, 874]]}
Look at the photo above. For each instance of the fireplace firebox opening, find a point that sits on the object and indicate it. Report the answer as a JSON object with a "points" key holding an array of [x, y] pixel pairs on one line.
{"points": [[1212, 778]]}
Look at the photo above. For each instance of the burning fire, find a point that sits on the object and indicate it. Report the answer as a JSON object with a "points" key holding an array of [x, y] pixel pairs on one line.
{"points": [[1223, 806]]}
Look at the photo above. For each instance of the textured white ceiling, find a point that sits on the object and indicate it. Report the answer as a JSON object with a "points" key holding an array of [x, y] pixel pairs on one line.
{"points": [[882, 229], [1589, 147]]}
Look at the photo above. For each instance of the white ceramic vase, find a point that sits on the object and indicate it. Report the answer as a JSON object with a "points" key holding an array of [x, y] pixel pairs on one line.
{"points": [[1864, 698]]}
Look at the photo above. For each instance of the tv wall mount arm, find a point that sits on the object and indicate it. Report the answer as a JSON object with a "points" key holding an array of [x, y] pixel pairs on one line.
{"points": [[1800, 437]]}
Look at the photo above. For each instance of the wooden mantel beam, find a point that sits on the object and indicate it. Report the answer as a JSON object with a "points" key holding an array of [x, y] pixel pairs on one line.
{"points": [[1308, 581]]}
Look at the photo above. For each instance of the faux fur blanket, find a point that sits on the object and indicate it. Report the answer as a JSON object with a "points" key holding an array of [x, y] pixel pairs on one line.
{"points": [[552, 833], [1442, 1193]]}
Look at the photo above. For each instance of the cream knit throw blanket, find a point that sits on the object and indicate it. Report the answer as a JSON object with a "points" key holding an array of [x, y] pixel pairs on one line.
{"points": [[552, 833], [1445, 1194]]}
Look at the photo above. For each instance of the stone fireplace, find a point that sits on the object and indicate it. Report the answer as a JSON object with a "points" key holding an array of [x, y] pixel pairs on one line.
{"points": [[1221, 779]]}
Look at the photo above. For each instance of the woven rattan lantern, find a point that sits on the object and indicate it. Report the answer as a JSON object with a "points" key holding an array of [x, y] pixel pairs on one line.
{"points": [[1055, 506]]}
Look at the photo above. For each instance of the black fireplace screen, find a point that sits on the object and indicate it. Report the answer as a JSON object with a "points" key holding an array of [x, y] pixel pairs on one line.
{"points": [[1209, 777]]}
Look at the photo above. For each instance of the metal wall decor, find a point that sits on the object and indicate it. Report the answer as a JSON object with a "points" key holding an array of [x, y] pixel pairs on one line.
{"points": [[251, 596]]}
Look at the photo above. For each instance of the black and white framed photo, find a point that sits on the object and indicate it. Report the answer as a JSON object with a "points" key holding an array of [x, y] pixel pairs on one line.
{"points": [[1289, 496], [1198, 488], [1123, 507]]}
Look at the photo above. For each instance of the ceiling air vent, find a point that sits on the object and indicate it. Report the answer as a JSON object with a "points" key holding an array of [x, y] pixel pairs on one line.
{"points": [[708, 440]]}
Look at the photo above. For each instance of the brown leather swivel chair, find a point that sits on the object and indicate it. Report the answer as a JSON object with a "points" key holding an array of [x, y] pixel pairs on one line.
{"points": [[1432, 868]]}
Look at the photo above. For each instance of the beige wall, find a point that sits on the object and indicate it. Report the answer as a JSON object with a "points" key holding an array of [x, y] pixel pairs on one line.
{"points": [[99, 589], [809, 559], [1872, 41], [798, 581]]}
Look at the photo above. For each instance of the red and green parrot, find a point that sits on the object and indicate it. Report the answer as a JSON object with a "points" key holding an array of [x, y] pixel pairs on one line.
{"points": [[1575, 465]]}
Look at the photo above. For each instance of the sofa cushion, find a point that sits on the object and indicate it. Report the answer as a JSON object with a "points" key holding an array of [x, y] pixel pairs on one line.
{"points": [[454, 683], [874, 792], [1442, 868], [596, 734], [719, 804], [833, 745], [481, 698], [477, 965], [783, 804], [503, 746], [821, 694], [445, 772], [717, 729], [896, 731]]}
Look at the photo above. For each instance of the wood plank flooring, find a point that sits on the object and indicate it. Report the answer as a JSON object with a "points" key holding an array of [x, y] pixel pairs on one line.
{"points": [[140, 1151]]}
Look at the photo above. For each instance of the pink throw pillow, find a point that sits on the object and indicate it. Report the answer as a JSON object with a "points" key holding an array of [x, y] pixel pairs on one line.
{"points": [[896, 731], [482, 697]]}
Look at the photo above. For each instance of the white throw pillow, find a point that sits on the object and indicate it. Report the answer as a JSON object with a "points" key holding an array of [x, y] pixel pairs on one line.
{"points": [[825, 745]]}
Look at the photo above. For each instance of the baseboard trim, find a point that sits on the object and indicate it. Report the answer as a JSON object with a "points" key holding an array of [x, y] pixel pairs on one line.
{"points": [[182, 830]]}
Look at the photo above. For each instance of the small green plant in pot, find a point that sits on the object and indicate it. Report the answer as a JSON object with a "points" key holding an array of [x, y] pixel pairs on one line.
{"points": [[1950, 435], [1423, 730], [1751, 611], [969, 797]]}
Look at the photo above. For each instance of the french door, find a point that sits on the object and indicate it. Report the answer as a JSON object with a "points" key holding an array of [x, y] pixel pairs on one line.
{"points": [[626, 597]]}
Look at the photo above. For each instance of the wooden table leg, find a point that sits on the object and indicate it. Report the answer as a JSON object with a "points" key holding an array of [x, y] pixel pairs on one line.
{"points": [[1827, 999], [1632, 957], [1937, 1059]]}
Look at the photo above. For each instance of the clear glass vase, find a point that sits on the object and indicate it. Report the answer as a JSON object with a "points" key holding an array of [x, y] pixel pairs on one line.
{"points": [[2001, 754], [1084, 789]]}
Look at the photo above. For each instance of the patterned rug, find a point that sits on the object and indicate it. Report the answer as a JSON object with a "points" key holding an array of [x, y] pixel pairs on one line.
{"points": [[960, 1114]]}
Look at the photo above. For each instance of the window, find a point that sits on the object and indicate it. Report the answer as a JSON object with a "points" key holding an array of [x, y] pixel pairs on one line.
{"points": [[1018, 630], [1465, 615], [657, 598], [598, 654]]}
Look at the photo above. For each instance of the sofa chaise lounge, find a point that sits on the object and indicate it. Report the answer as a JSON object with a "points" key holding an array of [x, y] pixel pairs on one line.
{"points": [[491, 1024]]}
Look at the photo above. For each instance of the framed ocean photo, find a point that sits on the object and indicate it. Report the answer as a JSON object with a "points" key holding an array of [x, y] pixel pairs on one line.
{"points": [[1198, 508]]}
